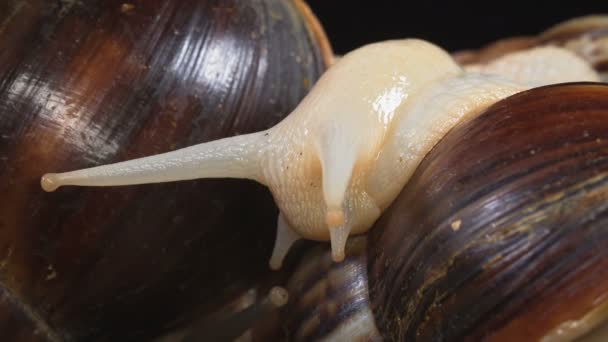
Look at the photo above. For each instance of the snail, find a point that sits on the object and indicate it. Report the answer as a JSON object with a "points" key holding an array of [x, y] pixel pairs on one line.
{"points": [[500, 235], [88, 263], [84, 83], [341, 157]]}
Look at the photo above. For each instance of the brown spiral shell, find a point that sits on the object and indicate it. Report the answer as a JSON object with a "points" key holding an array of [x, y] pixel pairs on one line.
{"points": [[500, 235], [329, 301], [92, 82]]}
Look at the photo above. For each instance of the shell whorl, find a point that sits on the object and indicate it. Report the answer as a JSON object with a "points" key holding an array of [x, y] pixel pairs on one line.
{"points": [[331, 301]]}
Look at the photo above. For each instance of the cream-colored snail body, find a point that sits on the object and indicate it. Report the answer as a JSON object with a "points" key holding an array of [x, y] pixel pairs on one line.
{"points": [[340, 158]]}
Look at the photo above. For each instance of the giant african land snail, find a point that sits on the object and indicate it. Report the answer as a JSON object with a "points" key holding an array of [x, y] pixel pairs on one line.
{"points": [[344, 154], [499, 235], [86, 83]]}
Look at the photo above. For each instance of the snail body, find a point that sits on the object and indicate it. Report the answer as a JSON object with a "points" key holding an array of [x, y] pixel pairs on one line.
{"points": [[530, 66], [344, 153], [587, 37]]}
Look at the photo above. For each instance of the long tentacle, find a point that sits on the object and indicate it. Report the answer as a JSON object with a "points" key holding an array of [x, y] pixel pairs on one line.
{"points": [[234, 157]]}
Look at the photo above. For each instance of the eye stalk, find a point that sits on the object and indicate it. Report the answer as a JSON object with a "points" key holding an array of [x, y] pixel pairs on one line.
{"points": [[48, 182]]}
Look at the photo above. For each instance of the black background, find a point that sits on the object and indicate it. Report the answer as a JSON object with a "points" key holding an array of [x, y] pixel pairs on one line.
{"points": [[453, 25]]}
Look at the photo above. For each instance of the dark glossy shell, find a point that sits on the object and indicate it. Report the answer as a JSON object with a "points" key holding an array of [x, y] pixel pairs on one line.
{"points": [[17, 323], [502, 232], [84, 83], [329, 301]]}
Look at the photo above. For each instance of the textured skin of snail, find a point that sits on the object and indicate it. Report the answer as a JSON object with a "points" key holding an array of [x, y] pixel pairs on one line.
{"points": [[585, 36], [340, 158], [500, 235]]}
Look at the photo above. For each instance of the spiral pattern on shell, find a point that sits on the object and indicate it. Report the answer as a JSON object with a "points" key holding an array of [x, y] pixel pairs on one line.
{"points": [[500, 234]]}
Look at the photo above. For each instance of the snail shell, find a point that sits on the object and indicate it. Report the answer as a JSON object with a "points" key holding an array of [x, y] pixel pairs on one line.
{"points": [[330, 301], [87, 83], [501, 233]]}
